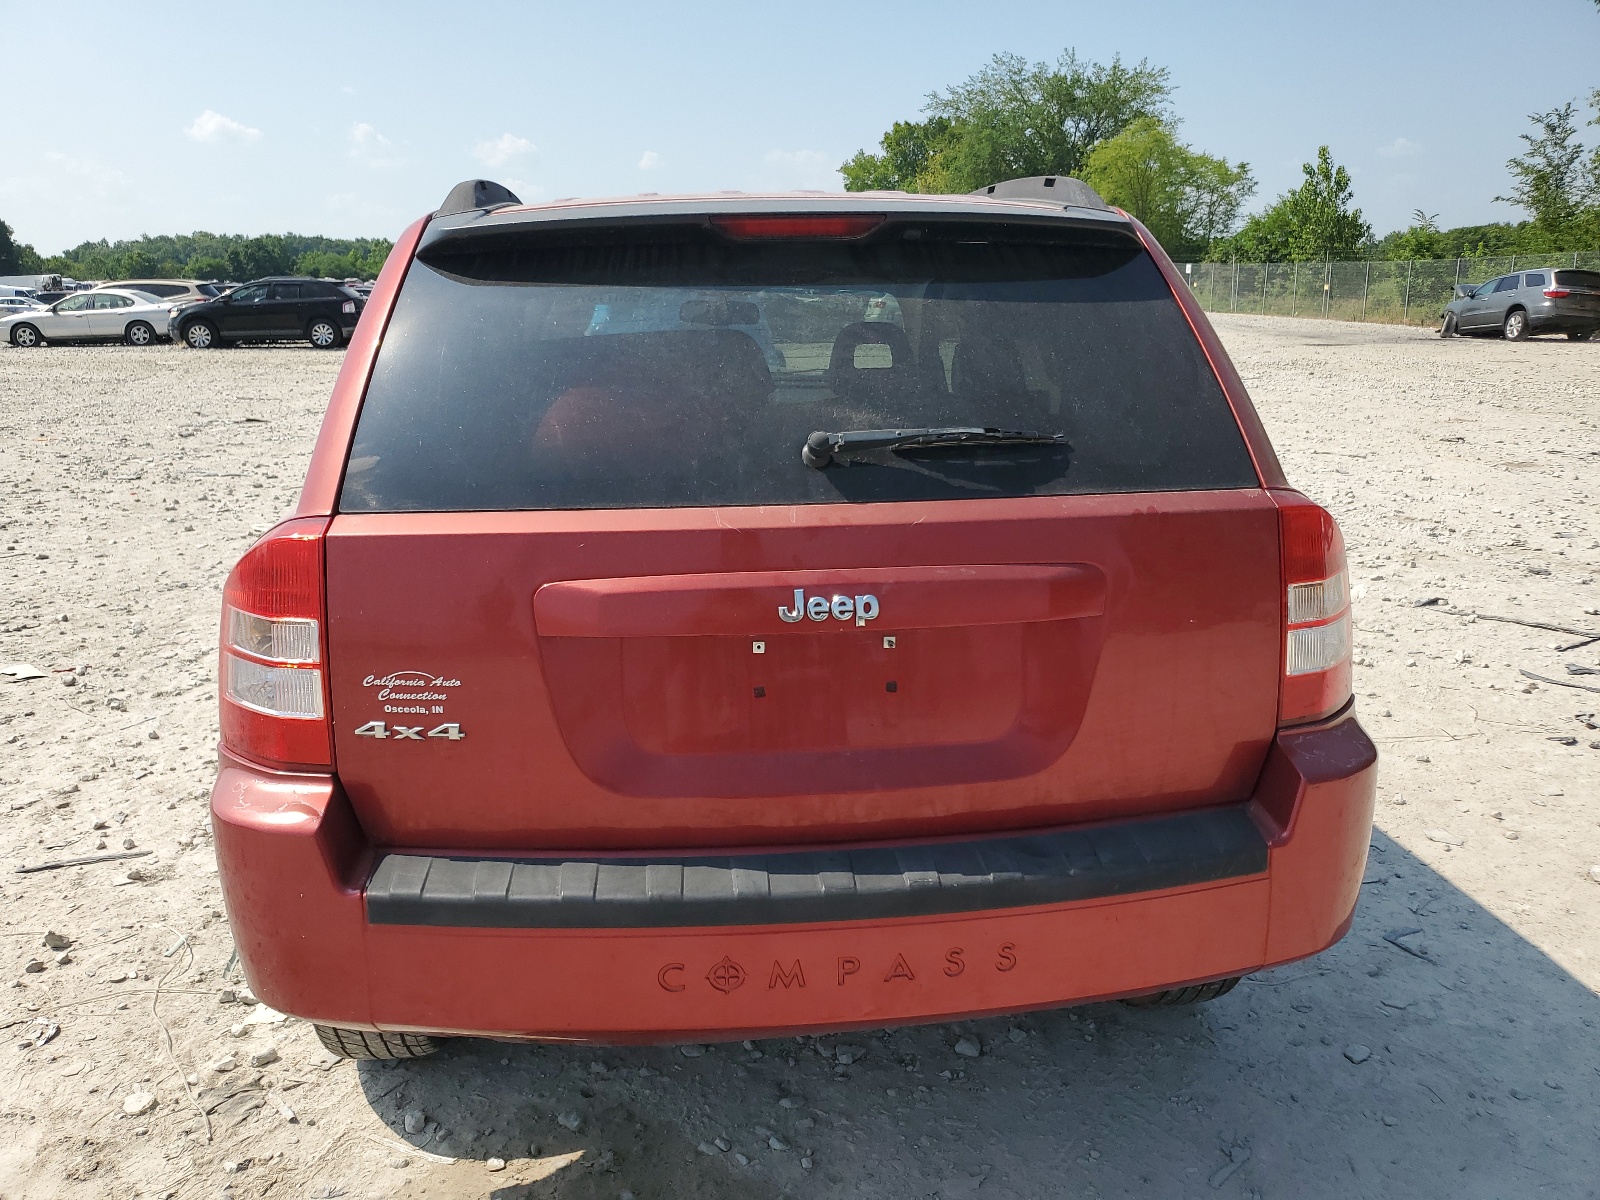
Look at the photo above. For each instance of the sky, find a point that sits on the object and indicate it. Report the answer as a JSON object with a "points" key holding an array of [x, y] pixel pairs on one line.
{"points": [[352, 119]]}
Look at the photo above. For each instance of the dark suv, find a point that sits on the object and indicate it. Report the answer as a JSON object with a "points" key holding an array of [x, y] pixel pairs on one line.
{"points": [[1528, 302], [279, 309], [725, 617]]}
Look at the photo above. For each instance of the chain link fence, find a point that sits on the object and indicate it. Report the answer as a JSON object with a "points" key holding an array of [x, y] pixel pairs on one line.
{"points": [[1404, 292]]}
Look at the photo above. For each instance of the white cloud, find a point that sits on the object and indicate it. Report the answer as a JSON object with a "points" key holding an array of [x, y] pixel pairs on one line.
{"points": [[649, 161], [214, 127], [348, 90], [501, 150], [803, 169], [371, 147], [1399, 148]]}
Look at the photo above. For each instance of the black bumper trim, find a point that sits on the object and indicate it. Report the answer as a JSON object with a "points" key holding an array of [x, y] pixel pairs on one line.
{"points": [[817, 886]]}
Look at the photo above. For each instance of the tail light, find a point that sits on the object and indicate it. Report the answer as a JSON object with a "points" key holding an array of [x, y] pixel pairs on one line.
{"points": [[1316, 611], [1557, 293], [273, 691], [849, 226]]}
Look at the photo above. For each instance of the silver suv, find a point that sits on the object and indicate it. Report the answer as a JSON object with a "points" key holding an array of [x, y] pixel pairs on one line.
{"points": [[1549, 300]]}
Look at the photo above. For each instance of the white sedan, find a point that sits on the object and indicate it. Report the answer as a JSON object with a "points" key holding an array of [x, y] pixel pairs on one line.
{"points": [[107, 314]]}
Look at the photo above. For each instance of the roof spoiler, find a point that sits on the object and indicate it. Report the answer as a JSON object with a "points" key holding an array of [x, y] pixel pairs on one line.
{"points": [[471, 195], [1058, 189]]}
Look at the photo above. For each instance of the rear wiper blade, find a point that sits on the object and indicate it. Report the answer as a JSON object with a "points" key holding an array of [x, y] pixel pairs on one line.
{"points": [[822, 447]]}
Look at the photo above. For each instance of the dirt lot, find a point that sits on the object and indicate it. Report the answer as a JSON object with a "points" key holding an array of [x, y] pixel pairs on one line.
{"points": [[1461, 1060]]}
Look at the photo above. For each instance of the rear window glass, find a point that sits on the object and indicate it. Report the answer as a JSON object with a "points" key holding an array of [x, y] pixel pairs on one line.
{"points": [[675, 367], [1579, 279]]}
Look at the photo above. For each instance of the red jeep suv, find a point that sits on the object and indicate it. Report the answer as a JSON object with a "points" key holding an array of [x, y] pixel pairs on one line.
{"points": [[727, 616]]}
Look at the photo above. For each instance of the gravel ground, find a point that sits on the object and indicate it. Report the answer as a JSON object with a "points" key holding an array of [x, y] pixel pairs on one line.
{"points": [[1460, 1060]]}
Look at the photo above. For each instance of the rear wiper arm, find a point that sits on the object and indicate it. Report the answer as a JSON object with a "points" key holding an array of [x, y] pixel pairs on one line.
{"points": [[822, 448]]}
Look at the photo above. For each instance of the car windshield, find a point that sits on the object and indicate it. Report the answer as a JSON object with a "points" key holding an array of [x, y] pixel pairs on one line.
{"points": [[683, 368]]}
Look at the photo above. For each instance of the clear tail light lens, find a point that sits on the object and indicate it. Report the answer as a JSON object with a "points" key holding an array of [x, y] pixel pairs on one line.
{"points": [[273, 692], [1316, 611], [276, 691]]}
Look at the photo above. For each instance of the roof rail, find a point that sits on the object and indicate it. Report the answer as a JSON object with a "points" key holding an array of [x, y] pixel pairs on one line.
{"points": [[472, 194], [1059, 189]]}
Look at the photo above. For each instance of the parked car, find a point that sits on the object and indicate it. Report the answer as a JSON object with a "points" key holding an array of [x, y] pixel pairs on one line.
{"points": [[106, 314], [619, 684], [18, 303], [1519, 305], [179, 291], [279, 309]]}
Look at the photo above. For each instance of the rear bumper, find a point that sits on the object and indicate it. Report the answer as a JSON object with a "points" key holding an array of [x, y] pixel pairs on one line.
{"points": [[330, 930]]}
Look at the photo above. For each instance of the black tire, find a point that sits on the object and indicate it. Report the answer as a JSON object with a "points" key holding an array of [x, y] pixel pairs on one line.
{"points": [[1580, 337], [25, 337], [1448, 329], [201, 335], [1198, 994], [361, 1044], [1515, 327], [324, 333], [139, 333]]}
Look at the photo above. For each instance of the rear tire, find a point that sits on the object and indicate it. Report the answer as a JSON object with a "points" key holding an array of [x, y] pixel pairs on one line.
{"points": [[140, 333], [1516, 326], [1448, 329], [324, 334], [1580, 337], [25, 337], [1198, 994], [201, 335], [364, 1045]]}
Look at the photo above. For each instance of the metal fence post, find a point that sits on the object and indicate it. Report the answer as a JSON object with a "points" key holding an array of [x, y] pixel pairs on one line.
{"points": [[1327, 287], [1264, 289], [1405, 310], [1366, 286], [1458, 274], [1233, 298], [1294, 294]]}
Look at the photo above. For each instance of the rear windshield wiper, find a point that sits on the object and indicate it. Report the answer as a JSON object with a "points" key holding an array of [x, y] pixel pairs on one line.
{"points": [[822, 448]]}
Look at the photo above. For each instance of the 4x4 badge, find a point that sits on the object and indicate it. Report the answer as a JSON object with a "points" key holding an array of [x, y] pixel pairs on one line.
{"points": [[819, 608], [409, 733]]}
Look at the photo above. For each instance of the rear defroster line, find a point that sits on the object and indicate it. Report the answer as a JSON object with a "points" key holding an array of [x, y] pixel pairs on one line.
{"points": [[817, 886]]}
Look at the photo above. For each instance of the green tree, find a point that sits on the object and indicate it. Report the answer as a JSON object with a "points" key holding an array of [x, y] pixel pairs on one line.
{"points": [[1552, 179], [16, 258], [1315, 221], [1186, 198], [909, 149], [1010, 120], [207, 268]]}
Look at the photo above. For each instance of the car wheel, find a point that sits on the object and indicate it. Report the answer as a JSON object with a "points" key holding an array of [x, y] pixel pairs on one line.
{"points": [[323, 334], [1516, 326], [1448, 329], [25, 336], [364, 1044], [1580, 337], [140, 333], [201, 335], [1198, 994]]}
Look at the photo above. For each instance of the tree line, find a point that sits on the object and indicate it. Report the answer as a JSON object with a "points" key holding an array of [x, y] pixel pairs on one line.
{"points": [[1114, 127], [201, 256]]}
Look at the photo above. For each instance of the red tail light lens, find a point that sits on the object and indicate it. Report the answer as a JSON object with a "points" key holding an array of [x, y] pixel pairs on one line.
{"points": [[798, 227], [273, 693], [1316, 612], [1557, 293]]}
